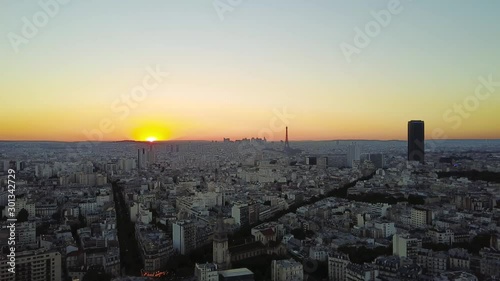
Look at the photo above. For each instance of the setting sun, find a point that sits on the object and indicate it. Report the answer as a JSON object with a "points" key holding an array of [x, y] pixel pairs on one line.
{"points": [[152, 129]]}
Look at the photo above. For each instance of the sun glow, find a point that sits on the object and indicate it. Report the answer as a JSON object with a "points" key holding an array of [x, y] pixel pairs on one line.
{"points": [[151, 129]]}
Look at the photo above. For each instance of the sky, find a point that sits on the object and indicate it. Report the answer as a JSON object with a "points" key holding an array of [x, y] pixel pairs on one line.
{"points": [[203, 70]]}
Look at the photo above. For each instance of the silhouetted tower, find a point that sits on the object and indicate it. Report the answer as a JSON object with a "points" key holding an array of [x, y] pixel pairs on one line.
{"points": [[141, 158], [287, 145], [416, 139], [151, 154]]}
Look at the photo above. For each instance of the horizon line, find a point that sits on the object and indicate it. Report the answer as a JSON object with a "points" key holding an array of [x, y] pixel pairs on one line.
{"points": [[207, 140]]}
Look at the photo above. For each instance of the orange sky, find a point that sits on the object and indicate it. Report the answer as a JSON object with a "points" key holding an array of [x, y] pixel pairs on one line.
{"points": [[89, 76]]}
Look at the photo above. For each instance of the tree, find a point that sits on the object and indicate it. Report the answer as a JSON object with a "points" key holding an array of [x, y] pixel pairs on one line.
{"points": [[23, 215], [299, 234], [416, 200], [154, 213], [179, 262], [82, 220], [56, 215], [43, 228], [96, 274], [362, 254]]}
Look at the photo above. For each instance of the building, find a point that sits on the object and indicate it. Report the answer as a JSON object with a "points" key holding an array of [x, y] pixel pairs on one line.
{"points": [[26, 234], [286, 270], [457, 276], [106, 258], [361, 272], [404, 246], [237, 274], [151, 154], [154, 247], [141, 158], [268, 232], [253, 213], [353, 155], [140, 213], [184, 236], [145, 157], [489, 262], [318, 253], [206, 272], [37, 265], [416, 138], [421, 217], [221, 255], [387, 228], [377, 159], [337, 264], [45, 210], [240, 213], [254, 249], [433, 263], [388, 267], [311, 160], [409, 272], [323, 162], [88, 207], [442, 236], [459, 258], [23, 203], [337, 160]]}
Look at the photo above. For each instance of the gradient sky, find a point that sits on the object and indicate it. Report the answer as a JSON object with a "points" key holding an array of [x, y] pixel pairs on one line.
{"points": [[228, 76]]}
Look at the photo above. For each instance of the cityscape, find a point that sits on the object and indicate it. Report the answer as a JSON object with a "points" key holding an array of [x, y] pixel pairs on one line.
{"points": [[249, 140]]}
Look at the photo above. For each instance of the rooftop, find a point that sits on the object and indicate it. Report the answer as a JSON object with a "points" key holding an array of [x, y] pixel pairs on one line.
{"points": [[235, 272]]}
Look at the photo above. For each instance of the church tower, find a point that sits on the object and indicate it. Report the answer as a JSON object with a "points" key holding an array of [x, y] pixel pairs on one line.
{"points": [[221, 255]]}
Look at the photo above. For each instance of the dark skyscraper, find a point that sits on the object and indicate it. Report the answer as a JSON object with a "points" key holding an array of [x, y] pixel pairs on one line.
{"points": [[416, 138]]}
